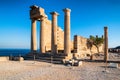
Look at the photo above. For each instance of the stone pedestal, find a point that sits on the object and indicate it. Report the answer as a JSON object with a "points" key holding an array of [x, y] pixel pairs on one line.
{"points": [[67, 49], [33, 36], [54, 33]]}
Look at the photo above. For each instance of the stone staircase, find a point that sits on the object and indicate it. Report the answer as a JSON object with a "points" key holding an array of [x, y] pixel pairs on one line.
{"points": [[46, 56]]}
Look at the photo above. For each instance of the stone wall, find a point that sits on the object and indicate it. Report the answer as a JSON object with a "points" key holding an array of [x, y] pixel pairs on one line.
{"points": [[60, 37], [81, 48], [4, 58], [48, 34]]}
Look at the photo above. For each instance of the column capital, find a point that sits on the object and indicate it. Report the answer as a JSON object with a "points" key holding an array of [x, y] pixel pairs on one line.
{"points": [[67, 10], [105, 27], [54, 13]]}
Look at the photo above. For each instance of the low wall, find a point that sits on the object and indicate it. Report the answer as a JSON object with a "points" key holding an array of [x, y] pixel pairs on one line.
{"points": [[4, 58], [81, 47], [18, 59]]}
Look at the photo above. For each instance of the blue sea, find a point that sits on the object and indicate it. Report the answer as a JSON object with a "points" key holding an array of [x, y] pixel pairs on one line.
{"points": [[14, 52]]}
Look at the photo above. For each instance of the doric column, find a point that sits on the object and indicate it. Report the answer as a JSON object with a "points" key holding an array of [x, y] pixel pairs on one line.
{"points": [[42, 34], [54, 32], [105, 43], [67, 45], [33, 36]]}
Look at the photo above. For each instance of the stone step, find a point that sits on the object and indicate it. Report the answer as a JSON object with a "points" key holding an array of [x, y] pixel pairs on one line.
{"points": [[49, 58], [44, 58]]}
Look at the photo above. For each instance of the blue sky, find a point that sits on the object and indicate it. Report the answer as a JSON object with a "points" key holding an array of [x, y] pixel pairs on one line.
{"points": [[88, 17]]}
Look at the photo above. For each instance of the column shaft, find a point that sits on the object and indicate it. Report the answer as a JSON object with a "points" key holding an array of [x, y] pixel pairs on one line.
{"points": [[54, 33], [76, 44], [42, 36], [105, 43], [67, 45], [33, 36]]}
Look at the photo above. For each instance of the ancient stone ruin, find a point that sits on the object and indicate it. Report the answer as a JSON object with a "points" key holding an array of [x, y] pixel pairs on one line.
{"points": [[53, 39]]}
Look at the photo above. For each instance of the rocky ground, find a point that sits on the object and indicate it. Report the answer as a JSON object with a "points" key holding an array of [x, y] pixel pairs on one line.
{"points": [[28, 70]]}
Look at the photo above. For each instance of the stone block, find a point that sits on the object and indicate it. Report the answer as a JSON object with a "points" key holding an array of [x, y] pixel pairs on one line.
{"points": [[18, 58], [69, 56], [76, 56], [72, 62], [91, 57], [21, 59], [64, 61], [78, 63], [4, 58], [113, 65]]}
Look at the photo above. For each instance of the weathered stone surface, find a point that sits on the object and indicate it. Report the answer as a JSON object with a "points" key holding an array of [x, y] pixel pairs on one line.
{"points": [[69, 56], [42, 35], [5, 58], [54, 33], [113, 65], [67, 49], [72, 62], [81, 49], [21, 59], [18, 58], [61, 38], [36, 12], [105, 43], [80, 63], [33, 36], [91, 57], [79, 56]]}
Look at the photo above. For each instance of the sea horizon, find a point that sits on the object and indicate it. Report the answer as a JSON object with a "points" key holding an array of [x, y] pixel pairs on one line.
{"points": [[13, 52]]}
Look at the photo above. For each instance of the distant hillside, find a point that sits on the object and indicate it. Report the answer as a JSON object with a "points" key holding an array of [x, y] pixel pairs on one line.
{"points": [[118, 47]]}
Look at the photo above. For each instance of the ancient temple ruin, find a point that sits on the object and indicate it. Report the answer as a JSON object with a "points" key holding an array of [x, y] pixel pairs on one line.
{"points": [[53, 38]]}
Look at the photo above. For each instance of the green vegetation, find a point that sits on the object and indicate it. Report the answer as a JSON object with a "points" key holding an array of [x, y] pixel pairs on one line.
{"points": [[96, 41]]}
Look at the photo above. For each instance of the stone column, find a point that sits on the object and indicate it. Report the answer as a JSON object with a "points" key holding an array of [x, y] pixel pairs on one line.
{"points": [[33, 36], [42, 34], [67, 46], [76, 44], [54, 32], [105, 43]]}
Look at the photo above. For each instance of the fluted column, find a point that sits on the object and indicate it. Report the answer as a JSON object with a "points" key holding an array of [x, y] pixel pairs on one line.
{"points": [[105, 43], [67, 45], [42, 35], [33, 36], [54, 32]]}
